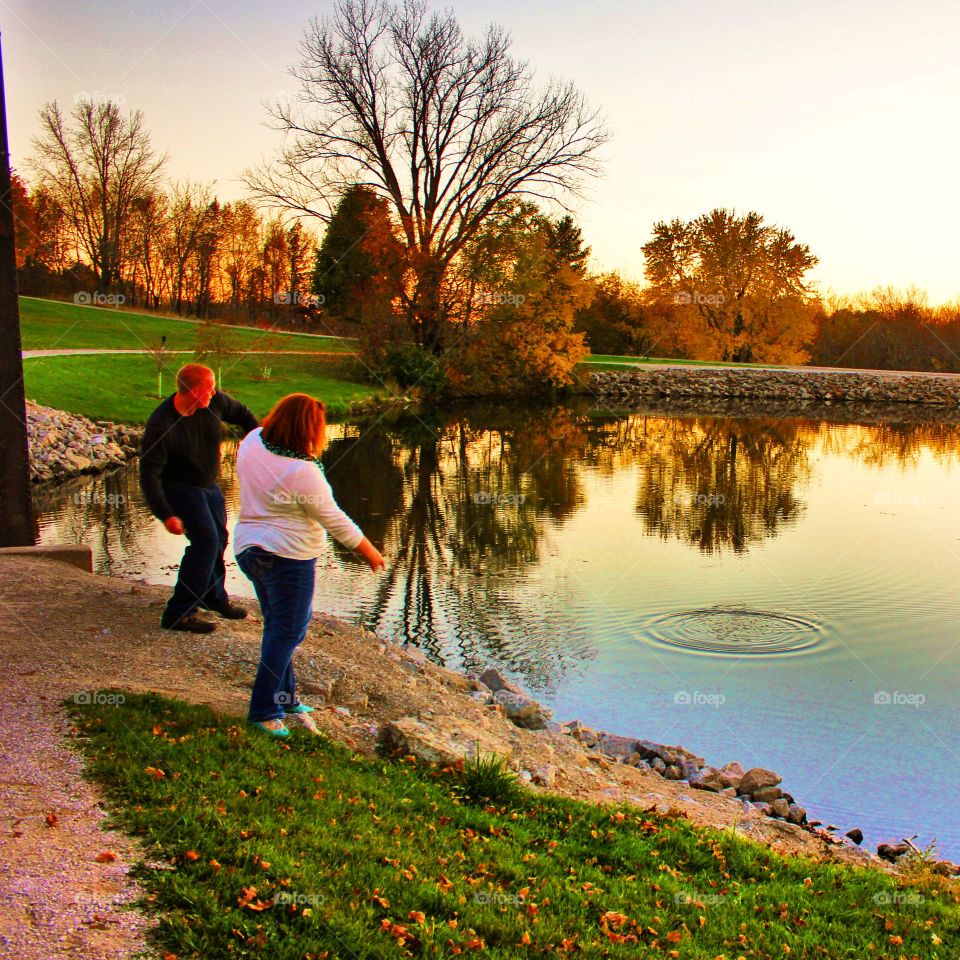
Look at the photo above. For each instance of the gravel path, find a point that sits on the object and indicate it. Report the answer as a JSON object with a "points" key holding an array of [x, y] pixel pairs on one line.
{"points": [[56, 899]]}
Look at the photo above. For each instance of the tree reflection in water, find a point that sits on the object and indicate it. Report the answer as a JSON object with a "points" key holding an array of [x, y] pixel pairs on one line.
{"points": [[468, 506]]}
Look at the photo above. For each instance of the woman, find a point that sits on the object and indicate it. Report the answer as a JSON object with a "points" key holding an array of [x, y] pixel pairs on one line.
{"points": [[285, 505]]}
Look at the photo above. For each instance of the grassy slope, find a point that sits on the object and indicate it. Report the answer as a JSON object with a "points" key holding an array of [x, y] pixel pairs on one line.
{"points": [[300, 849], [52, 325], [124, 388]]}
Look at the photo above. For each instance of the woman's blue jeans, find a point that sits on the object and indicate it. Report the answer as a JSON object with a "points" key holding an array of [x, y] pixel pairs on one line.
{"points": [[284, 589]]}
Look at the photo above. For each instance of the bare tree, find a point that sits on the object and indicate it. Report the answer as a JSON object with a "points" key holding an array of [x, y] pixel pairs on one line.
{"points": [[95, 170], [444, 127], [193, 212]]}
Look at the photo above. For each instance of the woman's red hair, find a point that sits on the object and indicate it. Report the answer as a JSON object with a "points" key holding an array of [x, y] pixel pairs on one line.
{"points": [[297, 422]]}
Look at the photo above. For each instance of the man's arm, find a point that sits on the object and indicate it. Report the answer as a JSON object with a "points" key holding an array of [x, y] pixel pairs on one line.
{"points": [[153, 458], [233, 411]]}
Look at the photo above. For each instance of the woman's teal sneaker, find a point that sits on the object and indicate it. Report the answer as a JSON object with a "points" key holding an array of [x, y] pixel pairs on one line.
{"points": [[276, 727], [301, 708]]}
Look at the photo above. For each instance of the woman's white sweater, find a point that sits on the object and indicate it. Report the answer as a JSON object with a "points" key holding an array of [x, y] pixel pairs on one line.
{"points": [[286, 504]]}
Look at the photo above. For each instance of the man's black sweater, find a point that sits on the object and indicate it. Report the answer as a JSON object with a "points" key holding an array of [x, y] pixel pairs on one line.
{"points": [[186, 449]]}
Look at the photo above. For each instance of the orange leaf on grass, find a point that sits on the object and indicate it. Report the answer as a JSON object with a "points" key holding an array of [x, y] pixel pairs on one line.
{"points": [[191, 855]]}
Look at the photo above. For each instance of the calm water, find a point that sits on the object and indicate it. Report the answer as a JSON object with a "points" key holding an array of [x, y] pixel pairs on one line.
{"points": [[780, 592]]}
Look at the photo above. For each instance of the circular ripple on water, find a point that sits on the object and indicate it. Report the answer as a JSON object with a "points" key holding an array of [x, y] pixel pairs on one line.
{"points": [[736, 631]]}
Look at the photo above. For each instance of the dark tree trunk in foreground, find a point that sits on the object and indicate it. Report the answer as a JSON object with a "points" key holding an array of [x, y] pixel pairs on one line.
{"points": [[16, 506]]}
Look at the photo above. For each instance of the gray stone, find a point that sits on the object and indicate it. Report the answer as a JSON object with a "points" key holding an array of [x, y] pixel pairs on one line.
{"points": [[796, 814], [656, 764], [673, 772]]}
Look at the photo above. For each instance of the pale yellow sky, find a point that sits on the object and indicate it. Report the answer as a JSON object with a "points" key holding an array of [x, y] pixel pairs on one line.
{"points": [[836, 120]]}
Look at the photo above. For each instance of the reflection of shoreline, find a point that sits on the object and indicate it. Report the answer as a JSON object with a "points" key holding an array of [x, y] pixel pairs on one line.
{"points": [[844, 414]]}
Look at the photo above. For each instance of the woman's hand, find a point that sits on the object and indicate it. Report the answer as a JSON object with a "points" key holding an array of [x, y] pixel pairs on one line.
{"points": [[371, 554]]}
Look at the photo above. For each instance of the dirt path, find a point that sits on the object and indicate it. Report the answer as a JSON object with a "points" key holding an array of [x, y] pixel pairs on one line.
{"points": [[68, 633]]}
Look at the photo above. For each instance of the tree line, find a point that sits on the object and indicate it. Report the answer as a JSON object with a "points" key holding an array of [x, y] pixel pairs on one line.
{"points": [[439, 173], [101, 217]]}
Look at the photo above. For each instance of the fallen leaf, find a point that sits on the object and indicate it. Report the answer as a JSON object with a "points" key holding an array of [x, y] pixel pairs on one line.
{"points": [[106, 857]]}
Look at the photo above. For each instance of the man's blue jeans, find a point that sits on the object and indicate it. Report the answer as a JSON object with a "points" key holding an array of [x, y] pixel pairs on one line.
{"points": [[284, 588], [202, 571]]}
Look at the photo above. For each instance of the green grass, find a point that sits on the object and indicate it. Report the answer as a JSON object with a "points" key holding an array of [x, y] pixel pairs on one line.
{"points": [[123, 388], [54, 325], [302, 849]]}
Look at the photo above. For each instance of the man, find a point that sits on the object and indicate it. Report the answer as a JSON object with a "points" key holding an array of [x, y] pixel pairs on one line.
{"points": [[179, 464]]}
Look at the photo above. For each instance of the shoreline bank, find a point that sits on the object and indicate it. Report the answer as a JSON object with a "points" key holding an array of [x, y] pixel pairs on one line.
{"points": [[803, 388]]}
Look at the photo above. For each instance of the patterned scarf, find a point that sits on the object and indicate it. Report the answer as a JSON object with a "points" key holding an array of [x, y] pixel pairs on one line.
{"points": [[286, 452]]}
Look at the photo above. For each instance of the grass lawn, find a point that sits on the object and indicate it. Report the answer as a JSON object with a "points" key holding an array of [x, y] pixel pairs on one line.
{"points": [[52, 325], [302, 849], [123, 388]]}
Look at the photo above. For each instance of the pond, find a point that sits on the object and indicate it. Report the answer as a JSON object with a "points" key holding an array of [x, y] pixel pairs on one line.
{"points": [[771, 589]]}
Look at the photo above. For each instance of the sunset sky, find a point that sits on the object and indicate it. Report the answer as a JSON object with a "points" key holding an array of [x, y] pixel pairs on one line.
{"points": [[837, 120]]}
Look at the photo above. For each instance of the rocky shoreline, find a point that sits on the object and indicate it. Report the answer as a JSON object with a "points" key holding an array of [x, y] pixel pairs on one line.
{"points": [[757, 789], [803, 388], [65, 445]]}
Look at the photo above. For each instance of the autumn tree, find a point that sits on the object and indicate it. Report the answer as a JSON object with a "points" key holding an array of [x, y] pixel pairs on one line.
{"points": [[737, 286], [95, 170], [241, 251], [525, 283], [441, 126], [24, 220], [359, 265], [192, 215]]}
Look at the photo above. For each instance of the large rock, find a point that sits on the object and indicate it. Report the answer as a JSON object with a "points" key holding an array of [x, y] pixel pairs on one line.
{"points": [[443, 743], [756, 778], [732, 774], [780, 808], [496, 681], [613, 745], [768, 794], [672, 756], [892, 851], [796, 814], [709, 778], [522, 710]]}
